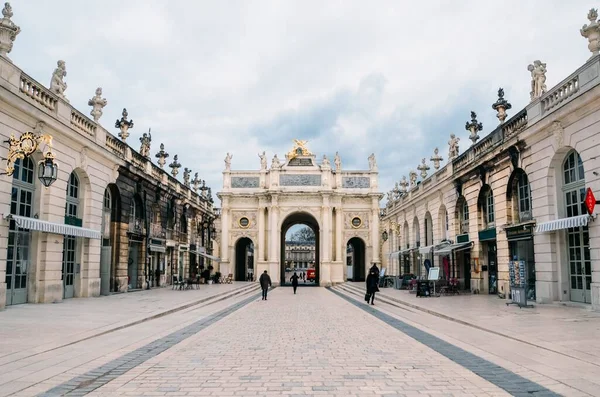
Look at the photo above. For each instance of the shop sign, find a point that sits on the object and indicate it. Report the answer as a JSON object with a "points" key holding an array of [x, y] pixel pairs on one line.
{"points": [[519, 232], [487, 235], [462, 238], [590, 201]]}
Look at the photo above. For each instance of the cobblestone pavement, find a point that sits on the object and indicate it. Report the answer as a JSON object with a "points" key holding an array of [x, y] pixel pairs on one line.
{"points": [[508, 344], [319, 342], [76, 319], [312, 343], [572, 331], [39, 367]]}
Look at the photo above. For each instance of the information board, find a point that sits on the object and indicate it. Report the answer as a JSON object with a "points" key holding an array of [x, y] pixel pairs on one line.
{"points": [[434, 273]]}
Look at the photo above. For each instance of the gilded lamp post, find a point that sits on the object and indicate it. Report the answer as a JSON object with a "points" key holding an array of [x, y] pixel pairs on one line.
{"points": [[24, 146]]}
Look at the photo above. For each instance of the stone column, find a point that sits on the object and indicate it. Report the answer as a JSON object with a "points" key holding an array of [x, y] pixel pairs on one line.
{"points": [[339, 234], [375, 230], [225, 238], [274, 240], [326, 232], [261, 231]]}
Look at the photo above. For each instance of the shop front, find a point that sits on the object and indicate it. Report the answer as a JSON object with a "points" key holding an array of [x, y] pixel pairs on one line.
{"points": [[489, 267], [520, 249]]}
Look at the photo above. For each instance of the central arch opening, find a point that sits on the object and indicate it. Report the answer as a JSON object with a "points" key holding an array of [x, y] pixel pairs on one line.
{"points": [[300, 249], [355, 259], [244, 260]]}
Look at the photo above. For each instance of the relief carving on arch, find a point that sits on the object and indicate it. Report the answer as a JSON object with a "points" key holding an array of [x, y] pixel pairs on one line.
{"points": [[363, 234], [235, 236], [237, 215], [285, 211], [363, 215]]}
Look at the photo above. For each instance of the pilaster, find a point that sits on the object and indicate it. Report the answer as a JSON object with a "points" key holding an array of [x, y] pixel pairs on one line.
{"points": [[375, 230]]}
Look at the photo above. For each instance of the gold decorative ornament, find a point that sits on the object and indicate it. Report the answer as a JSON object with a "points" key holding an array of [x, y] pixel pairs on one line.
{"points": [[356, 222], [244, 222], [24, 146], [299, 149]]}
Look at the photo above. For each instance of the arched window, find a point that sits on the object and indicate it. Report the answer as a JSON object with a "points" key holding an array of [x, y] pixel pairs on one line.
{"points": [[447, 225], [70, 242], [183, 224], [489, 208], [462, 215], [107, 199], [18, 250], [578, 241], [416, 232], [524, 197], [72, 206], [406, 236]]}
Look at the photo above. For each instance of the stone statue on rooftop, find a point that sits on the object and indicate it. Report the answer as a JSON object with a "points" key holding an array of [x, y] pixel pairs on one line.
{"points": [[57, 85], [228, 158], [97, 103], [145, 140], [8, 31], [337, 161], [453, 147], [372, 162], [263, 160], [275, 163], [538, 79], [592, 32]]}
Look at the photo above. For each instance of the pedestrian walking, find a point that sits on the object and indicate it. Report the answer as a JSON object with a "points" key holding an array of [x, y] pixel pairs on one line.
{"points": [[372, 286], [265, 283], [375, 269], [294, 280]]}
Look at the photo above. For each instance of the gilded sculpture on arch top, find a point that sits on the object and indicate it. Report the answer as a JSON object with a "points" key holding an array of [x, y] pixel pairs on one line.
{"points": [[299, 149]]}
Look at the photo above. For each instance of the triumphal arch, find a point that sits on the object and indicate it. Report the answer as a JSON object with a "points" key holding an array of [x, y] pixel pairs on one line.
{"points": [[258, 207]]}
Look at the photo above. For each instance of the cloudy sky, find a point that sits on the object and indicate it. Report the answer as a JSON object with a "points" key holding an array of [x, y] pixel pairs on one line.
{"points": [[210, 77]]}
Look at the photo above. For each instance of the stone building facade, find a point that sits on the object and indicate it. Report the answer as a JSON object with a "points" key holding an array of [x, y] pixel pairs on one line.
{"points": [[514, 196], [258, 207], [299, 255], [77, 237]]}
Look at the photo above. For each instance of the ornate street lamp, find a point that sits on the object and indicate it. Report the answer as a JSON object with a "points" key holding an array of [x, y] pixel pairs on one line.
{"points": [[48, 170], [24, 146], [384, 235]]}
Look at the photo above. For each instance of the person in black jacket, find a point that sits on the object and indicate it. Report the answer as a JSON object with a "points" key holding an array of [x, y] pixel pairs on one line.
{"points": [[265, 283], [372, 285], [294, 280]]}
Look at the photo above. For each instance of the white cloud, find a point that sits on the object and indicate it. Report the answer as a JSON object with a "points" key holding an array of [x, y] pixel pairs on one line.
{"points": [[246, 76]]}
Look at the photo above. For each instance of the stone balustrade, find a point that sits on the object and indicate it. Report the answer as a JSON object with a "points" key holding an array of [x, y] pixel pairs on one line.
{"points": [[515, 124], [38, 93], [138, 160], [83, 123], [116, 146], [560, 94]]}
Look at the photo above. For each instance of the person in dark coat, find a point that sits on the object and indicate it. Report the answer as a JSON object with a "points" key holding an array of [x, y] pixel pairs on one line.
{"points": [[372, 285], [265, 283], [375, 269], [294, 280]]}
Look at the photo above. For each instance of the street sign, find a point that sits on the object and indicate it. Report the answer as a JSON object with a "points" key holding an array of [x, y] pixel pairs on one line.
{"points": [[590, 201]]}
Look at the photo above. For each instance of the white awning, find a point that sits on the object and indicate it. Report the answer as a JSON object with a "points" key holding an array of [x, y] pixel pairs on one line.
{"points": [[157, 248], [404, 251], [54, 228], [453, 247], [214, 258], [564, 223], [425, 250]]}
